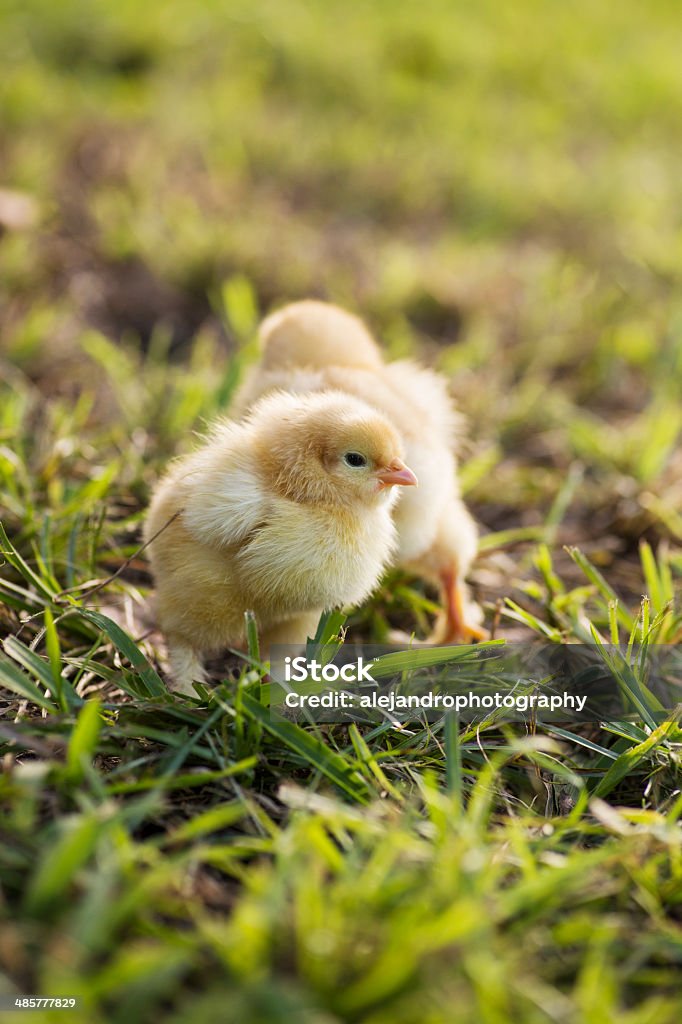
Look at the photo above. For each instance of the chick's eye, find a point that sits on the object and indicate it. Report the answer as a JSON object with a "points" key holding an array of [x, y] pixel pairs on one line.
{"points": [[355, 459]]}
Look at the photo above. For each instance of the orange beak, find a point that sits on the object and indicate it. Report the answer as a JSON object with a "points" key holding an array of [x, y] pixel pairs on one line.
{"points": [[396, 474]]}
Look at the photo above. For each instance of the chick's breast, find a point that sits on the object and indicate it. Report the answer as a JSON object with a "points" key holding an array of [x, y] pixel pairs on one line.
{"points": [[304, 558]]}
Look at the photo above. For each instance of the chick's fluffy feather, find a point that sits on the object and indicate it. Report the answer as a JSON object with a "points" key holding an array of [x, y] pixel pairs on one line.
{"points": [[314, 346], [265, 516]]}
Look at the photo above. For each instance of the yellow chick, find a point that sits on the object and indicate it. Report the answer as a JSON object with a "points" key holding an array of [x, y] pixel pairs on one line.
{"points": [[286, 513], [314, 346]]}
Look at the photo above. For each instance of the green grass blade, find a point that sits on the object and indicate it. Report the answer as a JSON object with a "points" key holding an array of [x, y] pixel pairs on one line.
{"points": [[127, 646], [425, 657], [61, 688], [21, 565], [60, 861], [453, 758], [316, 753], [83, 742], [367, 758], [628, 761], [214, 820], [18, 682]]}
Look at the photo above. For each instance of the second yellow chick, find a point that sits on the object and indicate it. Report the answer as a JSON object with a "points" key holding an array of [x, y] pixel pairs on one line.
{"points": [[313, 346]]}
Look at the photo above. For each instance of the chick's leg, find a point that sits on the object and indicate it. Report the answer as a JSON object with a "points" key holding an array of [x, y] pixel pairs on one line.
{"points": [[295, 630], [456, 624], [186, 666]]}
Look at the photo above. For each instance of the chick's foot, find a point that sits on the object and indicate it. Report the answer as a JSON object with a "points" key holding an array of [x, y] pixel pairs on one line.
{"points": [[186, 667]]}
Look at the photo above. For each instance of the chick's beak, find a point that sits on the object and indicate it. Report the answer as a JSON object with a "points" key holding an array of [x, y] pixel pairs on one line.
{"points": [[396, 473]]}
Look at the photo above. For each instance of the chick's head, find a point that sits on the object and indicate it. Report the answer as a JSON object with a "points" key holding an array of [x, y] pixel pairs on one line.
{"points": [[329, 449]]}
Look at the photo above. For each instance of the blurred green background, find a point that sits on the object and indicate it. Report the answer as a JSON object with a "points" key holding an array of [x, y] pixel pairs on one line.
{"points": [[448, 163], [496, 188]]}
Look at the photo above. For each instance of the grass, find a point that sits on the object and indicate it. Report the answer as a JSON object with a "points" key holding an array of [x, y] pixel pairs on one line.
{"points": [[497, 190]]}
